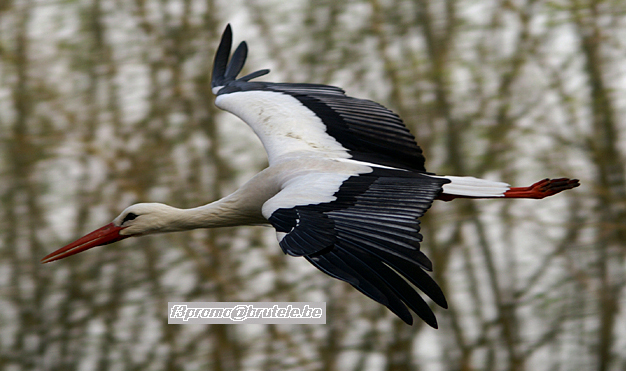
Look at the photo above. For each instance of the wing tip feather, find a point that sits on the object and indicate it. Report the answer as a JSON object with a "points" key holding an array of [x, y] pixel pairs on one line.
{"points": [[220, 62], [225, 71]]}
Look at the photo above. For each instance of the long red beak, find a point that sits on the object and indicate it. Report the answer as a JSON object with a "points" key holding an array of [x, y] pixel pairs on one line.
{"points": [[102, 236]]}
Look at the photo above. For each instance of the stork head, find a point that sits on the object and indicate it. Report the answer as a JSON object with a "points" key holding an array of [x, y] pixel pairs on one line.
{"points": [[135, 220]]}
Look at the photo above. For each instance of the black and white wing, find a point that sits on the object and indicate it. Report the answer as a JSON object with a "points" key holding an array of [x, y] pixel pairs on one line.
{"points": [[355, 219], [367, 234], [311, 119]]}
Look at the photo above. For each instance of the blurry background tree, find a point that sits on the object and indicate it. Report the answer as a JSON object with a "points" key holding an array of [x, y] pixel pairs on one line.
{"points": [[106, 102]]}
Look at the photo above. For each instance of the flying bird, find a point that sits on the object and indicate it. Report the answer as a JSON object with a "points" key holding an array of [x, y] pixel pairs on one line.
{"points": [[345, 187]]}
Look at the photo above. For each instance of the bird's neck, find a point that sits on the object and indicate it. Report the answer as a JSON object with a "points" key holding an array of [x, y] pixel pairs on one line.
{"points": [[226, 212], [214, 215], [243, 207]]}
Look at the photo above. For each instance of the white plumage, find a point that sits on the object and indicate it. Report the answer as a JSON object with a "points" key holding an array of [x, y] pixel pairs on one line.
{"points": [[285, 126], [474, 187], [345, 187]]}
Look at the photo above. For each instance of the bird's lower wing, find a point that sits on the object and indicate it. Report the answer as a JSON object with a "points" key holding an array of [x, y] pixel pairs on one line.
{"points": [[366, 233]]}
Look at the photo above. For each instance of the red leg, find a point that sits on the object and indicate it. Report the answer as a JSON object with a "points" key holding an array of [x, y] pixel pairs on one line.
{"points": [[541, 189]]}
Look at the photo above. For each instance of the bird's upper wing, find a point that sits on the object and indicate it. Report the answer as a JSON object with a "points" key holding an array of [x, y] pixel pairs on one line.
{"points": [[366, 233], [320, 120]]}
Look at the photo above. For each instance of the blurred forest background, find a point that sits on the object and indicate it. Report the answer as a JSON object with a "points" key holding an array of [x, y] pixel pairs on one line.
{"points": [[104, 103]]}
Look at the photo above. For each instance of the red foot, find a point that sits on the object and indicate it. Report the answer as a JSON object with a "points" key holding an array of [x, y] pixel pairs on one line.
{"points": [[543, 188]]}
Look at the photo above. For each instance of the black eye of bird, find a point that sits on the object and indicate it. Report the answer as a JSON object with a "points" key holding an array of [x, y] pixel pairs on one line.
{"points": [[129, 216]]}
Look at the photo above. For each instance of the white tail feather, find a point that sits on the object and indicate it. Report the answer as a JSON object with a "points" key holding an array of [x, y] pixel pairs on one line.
{"points": [[473, 187]]}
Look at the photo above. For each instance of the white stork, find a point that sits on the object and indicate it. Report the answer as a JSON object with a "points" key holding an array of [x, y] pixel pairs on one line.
{"points": [[344, 189]]}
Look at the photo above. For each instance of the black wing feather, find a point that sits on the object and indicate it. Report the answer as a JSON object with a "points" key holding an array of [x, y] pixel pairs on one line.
{"points": [[236, 62], [368, 130], [369, 237], [225, 72], [363, 278], [254, 75], [399, 286], [220, 63]]}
